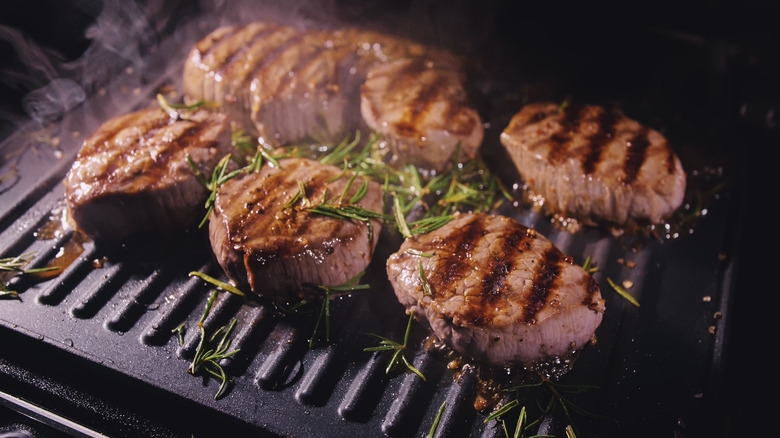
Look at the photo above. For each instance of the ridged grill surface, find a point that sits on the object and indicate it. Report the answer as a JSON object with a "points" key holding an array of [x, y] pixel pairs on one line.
{"points": [[119, 310]]}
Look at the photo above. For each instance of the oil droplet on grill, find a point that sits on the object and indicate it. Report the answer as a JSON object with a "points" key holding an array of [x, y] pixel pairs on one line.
{"points": [[66, 255], [98, 263]]}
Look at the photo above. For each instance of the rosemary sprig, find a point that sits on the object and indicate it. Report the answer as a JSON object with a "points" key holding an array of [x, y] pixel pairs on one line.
{"points": [[337, 208], [7, 293], [342, 152], [435, 425], [386, 344], [422, 226], [221, 175], [424, 280], [429, 224], [212, 350], [522, 425], [589, 266], [558, 397], [502, 410], [465, 186], [351, 285], [622, 292], [16, 265], [220, 284], [400, 220], [174, 110]]}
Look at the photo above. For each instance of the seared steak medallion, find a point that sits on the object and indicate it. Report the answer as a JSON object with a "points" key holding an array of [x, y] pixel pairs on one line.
{"points": [[266, 239], [275, 81], [497, 291], [594, 164], [132, 173], [285, 85], [421, 107]]}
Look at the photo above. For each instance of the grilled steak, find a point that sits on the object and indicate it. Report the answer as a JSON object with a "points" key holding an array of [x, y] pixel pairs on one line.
{"points": [[132, 173], [421, 108], [275, 81], [496, 290], [264, 240], [285, 85], [595, 165]]}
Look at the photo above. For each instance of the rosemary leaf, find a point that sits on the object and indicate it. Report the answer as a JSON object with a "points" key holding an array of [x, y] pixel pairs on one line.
{"points": [[220, 284], [589, 267], [6, 293], [207, 356], [351, 285], [423, 280], [179, 330], [418, 253], [436, 421], [624, 293], [429, 224], [390, 345], [501, 411], [400, 221]]}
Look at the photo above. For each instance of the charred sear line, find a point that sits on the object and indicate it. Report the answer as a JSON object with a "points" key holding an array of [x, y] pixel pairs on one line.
{"points": [[421, 104], [518, 241], [101, 140], [635, 156], [671, 164], [593, 290], [493, 291], [570, 126], [231, 60], [455, 252], [186, 139], [274, 56], [544, 282], [260, 47], [598, 141], [216, 42], [305, 61], [129, 151]]}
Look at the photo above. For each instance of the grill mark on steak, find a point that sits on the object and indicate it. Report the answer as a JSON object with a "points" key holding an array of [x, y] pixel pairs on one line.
{"points": [[226, 67], [492, 298], [308, 58], [216, 40], [593, 290], [570, 126], [598, 141], [544, 282], [635, 156], [283, 186], [101, 140], [273, 56], [260, 47], [670, 159], [453, 265], [149, 132], [420, 105]]}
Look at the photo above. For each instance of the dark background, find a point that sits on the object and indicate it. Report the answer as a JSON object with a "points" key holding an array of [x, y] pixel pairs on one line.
{"points": [[715, 62]]}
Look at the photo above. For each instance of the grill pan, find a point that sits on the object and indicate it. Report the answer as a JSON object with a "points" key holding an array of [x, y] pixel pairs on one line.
{"points": [[91, 351]]}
